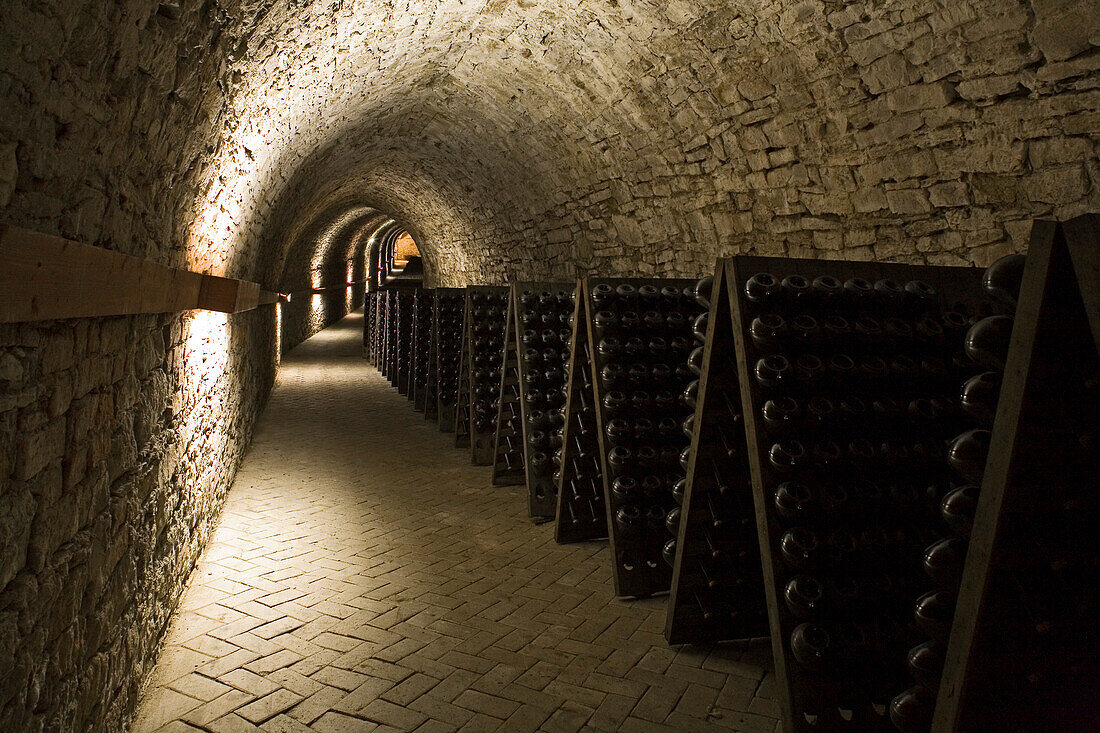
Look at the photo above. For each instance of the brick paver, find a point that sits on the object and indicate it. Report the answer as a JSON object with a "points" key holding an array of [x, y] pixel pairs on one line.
{"points": [[365, 576]]}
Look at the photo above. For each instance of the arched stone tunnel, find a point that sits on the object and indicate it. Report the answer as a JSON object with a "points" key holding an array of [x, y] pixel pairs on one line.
{"points": [[273, 140]]}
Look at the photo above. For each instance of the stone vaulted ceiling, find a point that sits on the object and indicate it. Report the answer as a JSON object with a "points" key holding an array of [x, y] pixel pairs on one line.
{"points": [[537, 138]]}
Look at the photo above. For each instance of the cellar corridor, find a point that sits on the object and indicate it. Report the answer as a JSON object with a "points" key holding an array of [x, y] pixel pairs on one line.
{"points": [[341, 594]]}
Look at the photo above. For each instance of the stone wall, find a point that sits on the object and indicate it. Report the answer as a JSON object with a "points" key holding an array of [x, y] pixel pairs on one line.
{"points": [[119, 437], [265, 139]]}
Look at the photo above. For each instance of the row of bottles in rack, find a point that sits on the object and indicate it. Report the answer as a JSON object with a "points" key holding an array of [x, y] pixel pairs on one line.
{"points": [[986, 345], [644, 336], [546, 323], [855, 382]]}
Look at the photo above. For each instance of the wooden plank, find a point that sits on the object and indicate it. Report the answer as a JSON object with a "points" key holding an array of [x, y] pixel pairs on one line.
{"points": [[45, 277]]}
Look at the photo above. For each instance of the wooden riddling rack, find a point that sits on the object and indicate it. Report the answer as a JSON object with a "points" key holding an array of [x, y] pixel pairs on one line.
{"points": [[370, 323], [447, 320], [541, 313], [508, 455], [848, 464], [431, 377], [479, 380], [1024, 651], [381, 330], [403, 336], [717, 587], [641, 380], [389, 321], [580, 513], [423, 304]]}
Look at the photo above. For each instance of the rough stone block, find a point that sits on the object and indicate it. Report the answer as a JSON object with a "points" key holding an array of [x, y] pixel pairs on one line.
{"points": [[949, 193], [908, 201], [40, 448], [1057, 185]]}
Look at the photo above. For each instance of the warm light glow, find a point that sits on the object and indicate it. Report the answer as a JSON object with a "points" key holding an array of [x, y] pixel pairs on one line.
{"points": [[404, 247], [317, 311], [279, 330], [206, 353], [207, 384]]}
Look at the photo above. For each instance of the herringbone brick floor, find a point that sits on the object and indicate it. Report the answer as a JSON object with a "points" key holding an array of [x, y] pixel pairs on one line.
{"points": [[365, 577]]}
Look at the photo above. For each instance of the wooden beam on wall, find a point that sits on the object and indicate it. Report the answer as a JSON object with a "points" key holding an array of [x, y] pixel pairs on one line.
{"points": [[43, 277]]}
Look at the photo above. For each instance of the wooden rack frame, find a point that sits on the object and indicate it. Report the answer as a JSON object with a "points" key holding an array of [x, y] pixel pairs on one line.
{"points": [[448, 345], [1017, 659], [401, 353], [423, 306], [717, 586], [811, 702], [508, 460], [541, 488], [431, 385], [652, 575], [480, 442], [370, 324], [580, 514], [389, 340]]}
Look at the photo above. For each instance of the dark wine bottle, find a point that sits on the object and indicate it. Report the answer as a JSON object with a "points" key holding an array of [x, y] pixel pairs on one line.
{"points": [[926, 664], [703, 291], [934, 613], [803, 596], [794, 501], [1002, 279], [943, 562], [967, 454], [668, 552], [798, 546], [988, 340], [761, 287], [811, 646], [958, 509], [911, 711], [979, 396]]}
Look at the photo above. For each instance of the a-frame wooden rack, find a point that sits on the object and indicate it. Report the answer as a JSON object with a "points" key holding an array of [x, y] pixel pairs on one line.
{"points": [[448, 325], [717, 587], [848, 400], [580, 513], [508, 453], [537, 345], [423, 305], [1024, 650], [401, 353], [638, 538], [370, 324], [482, 355], [431, 380]]}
